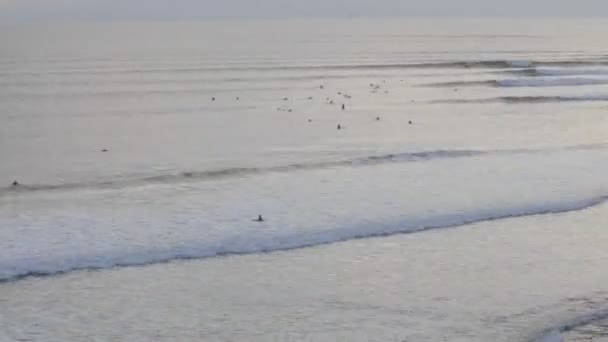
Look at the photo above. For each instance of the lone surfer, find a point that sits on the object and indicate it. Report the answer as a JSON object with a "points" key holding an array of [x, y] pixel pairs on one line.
{"points": [[259, 219], [15, 183]]}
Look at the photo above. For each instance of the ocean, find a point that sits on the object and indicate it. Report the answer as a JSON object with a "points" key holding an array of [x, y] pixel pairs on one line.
{"points": [[418, 180]]}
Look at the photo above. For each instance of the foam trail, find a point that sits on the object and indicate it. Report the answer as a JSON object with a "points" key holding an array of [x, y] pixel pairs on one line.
{"points": [[243, 243]]}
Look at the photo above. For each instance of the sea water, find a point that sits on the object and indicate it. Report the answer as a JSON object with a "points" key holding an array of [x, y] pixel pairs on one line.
{"points": [[462, 198]]}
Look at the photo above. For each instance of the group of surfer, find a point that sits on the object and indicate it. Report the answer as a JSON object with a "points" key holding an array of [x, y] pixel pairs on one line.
{"points": [[339, 127]]}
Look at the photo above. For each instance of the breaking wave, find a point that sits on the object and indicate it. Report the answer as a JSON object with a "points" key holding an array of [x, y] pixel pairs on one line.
{"points": [[15, 269]]}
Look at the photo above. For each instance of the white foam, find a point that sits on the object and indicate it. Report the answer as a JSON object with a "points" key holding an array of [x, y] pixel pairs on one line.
{"points": [[553, 336]]}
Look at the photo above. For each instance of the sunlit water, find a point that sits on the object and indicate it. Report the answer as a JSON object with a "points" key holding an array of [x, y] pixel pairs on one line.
{"points": [[462, 198]]}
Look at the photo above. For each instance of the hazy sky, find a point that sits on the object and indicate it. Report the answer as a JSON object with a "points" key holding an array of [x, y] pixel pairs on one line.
{"points": [[61, 10]]}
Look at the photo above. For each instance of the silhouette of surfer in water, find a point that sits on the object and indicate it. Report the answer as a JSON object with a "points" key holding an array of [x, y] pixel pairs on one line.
{"points": [[15, 183], [259, 219]]}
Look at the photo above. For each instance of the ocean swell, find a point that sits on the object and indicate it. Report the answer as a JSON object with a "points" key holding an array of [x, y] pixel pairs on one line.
{"points": [[203, 175], [235, 172], [458, 64]]}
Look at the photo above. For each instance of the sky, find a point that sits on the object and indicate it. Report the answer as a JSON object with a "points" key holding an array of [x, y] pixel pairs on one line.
{"points": [[119, 10]]}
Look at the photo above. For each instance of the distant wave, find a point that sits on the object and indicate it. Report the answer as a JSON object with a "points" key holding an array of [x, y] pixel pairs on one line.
{"points": [[559, 71], [195, 176], [259, 243], [523, 83], [193, 81], [528, 99], [248, 171], [472, 64]]}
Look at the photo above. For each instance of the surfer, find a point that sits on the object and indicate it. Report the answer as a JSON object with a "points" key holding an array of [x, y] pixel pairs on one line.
{"points": [[15, 183], [339, 127], [259, 219], [343, 106]]}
